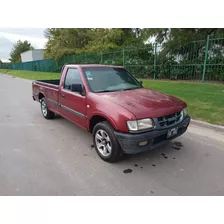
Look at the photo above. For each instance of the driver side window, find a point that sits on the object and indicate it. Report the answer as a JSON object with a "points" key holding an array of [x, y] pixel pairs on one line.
{"points": [[72, 77]]}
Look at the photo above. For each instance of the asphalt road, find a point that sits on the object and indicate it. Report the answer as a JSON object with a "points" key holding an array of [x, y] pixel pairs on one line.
{"points": [[55, 157]]}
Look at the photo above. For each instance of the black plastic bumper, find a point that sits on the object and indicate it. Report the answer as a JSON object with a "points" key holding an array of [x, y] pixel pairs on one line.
{"points": [[155, 138]]}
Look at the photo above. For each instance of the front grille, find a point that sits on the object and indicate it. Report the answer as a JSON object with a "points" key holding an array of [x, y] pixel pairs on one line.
{"points": [[169, 120]]}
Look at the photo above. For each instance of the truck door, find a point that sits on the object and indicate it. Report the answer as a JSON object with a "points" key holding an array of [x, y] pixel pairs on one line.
{"points": [[72, 104]]}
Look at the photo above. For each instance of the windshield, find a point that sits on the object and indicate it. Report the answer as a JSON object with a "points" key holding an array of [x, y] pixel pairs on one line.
{"points": [[106, 79]]}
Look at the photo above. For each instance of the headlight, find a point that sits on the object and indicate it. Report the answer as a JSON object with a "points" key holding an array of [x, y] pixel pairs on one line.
{"points": [[185, 113], [139, 125]]}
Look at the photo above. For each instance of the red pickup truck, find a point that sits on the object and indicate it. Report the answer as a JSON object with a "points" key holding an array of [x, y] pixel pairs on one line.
{"points": [[109, 102]]}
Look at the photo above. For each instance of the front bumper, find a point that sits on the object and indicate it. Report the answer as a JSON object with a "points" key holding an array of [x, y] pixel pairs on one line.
{"points": [[155, 138]]}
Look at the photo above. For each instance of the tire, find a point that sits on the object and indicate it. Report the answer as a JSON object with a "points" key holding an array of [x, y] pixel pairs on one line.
{"points": [[113, 151], [45, 111]]}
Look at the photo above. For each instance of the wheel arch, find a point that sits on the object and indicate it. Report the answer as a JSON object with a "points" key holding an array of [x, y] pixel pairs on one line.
{"points": [[41, 95], [96, 118]]}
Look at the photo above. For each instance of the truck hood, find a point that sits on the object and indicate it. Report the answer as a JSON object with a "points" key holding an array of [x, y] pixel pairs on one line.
{"points": [[145, 103]]}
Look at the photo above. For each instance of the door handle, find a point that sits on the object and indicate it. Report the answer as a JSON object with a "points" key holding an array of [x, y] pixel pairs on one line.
{"points": [[62, 96]]}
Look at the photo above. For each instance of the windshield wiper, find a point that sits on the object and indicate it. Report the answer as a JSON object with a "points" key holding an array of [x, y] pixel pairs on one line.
{"points": [[106, 90], [103, 91], [131, 88]]}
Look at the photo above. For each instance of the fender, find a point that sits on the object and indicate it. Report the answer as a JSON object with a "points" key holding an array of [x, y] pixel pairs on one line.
{"points": [[101, 114]]}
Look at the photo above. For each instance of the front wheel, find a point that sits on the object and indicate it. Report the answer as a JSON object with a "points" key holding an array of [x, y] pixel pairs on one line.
{"points": [[105, 142], [45, 111]]}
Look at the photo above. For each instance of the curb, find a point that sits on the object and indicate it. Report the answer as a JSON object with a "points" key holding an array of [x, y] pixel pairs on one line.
{"points": [[218, 128]]}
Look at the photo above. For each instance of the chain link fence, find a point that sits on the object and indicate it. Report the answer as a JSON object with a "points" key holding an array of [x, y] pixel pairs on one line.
{"points": [[200, 60]]}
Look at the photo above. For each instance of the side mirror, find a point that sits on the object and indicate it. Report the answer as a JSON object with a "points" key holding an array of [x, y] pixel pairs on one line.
{"points": [[141, 83], [77, 88]]}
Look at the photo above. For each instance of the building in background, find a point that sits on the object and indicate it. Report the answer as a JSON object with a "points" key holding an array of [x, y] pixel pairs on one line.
{"points": [[5, 60], [32, 55]]}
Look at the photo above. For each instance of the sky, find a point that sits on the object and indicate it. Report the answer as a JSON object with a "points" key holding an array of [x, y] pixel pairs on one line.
{"points": [[9, 36]]}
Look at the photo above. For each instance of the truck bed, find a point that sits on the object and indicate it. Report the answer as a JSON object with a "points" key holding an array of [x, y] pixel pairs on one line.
{"points": [[45, 87], [52, 81]]}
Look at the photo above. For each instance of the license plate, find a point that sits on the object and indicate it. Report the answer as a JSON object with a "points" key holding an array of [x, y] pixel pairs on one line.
{"points": [[172, 132]]}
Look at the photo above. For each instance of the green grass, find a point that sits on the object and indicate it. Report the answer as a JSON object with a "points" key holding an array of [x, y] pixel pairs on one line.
{"points": [[205, 101], [31, 75]]}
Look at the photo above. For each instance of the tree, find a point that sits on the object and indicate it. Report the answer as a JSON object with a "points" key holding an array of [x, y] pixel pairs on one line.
{"points": [[18, 48], [187, 44], [176, 40], [112, 39], [66, 41], [180, 47]]}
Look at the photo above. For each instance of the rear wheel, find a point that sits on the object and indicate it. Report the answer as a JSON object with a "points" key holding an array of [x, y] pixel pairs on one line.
{"points": [[105, 142], [45, 111]]}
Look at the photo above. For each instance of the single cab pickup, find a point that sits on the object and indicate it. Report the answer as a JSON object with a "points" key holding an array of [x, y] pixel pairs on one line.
{"points": [[109, 102]]}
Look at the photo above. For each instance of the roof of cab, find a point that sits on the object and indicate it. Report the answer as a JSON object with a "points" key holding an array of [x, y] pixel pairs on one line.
{"points": [[92, 65]]}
